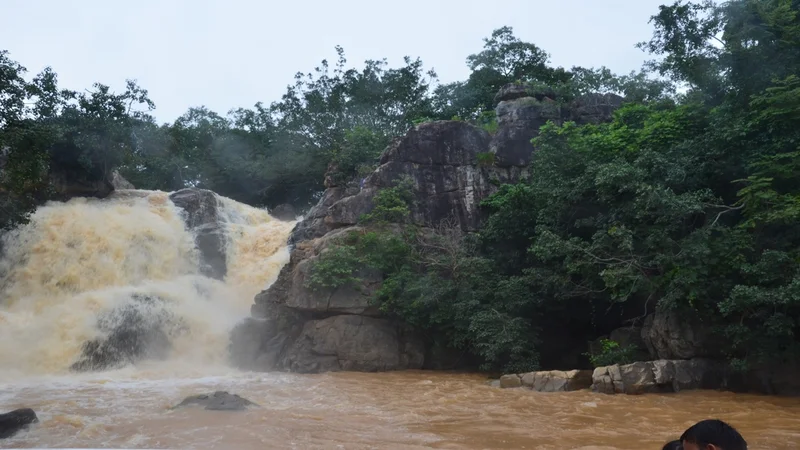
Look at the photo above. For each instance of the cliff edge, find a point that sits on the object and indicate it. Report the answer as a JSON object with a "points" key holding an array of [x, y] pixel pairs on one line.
{"points": [[299, 329]]}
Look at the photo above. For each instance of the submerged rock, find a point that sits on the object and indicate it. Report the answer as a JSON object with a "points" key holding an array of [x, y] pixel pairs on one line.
{"points": [[218, 401], [13, 422], [141, 329]]}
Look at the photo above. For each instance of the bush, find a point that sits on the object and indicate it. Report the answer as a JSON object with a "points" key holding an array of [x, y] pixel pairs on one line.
{"points": [[391, 205], [485, 159], [612, 353]]}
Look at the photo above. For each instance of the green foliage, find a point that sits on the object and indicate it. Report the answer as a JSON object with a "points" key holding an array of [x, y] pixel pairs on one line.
{"points": [[360, 150], [433, 279], [690, 204], [689, 201], [485, 159], [337, 266], [332, 121], [488, 121], [49, 134], [612, 353], [391, 205]]}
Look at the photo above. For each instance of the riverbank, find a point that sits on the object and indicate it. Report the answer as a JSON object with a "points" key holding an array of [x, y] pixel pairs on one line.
{"points": [[414, 409]]}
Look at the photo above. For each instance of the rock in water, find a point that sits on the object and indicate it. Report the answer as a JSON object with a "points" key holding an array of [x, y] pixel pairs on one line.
{"points": [[202, 216], [139, 330], [218, 401], [14, 421], [284, 212]]}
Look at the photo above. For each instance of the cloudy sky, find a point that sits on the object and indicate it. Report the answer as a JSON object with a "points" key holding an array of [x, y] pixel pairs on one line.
{"points": [[231, 53]]}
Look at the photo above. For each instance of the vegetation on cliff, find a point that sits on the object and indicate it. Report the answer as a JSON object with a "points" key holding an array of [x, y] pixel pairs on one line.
{"points": [[689, 198], [687, 202]]}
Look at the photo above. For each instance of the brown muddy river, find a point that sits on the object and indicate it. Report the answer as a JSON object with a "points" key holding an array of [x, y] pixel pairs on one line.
{"points": [[130, 409], [80, 261]]}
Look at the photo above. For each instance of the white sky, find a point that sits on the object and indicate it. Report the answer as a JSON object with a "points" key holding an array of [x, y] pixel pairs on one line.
{"points": [[231, 53]]}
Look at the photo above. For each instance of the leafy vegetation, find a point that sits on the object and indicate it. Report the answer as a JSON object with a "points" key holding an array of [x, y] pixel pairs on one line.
{"points": [[687, 203], [611, 352], [688, 199], [684, 201]]}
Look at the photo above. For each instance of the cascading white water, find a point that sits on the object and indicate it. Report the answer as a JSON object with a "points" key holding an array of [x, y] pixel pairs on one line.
{"points": [[77, 261]]}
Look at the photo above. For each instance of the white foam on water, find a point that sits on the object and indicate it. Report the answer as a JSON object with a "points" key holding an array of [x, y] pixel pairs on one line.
{"points": [[76, 261]]}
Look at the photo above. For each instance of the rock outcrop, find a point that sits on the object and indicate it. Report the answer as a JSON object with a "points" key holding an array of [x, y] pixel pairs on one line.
{"points": [[284, 212], [670, 335], [217, 401], [141, 329], [549, 381], [202, 217], [296, 328], [658, 376], [15, 421], [521, 111], [67, 184]]}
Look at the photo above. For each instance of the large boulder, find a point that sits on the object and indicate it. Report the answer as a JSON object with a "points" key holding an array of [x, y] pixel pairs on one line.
{"points": [[522, 109], [355, 343], [68, 182], [284, 212], [557, 380], [518, 122], [658, 376], [141, 329], [15, 421], [303, 329], [668, 334], [201, 212]]}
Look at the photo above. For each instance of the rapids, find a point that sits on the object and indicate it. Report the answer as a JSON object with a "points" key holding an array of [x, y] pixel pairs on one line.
{"points": [[79, 259]]}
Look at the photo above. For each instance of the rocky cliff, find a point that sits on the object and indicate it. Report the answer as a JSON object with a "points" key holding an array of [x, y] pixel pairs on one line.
{"points": [[295, 328]]}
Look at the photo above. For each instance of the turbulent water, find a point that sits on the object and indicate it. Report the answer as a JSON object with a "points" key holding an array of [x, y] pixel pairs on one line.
{"points": [[79, 260], [76, 261]]}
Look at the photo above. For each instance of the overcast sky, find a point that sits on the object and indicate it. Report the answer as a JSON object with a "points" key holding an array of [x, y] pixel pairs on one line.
{"points": [[231, 53]]}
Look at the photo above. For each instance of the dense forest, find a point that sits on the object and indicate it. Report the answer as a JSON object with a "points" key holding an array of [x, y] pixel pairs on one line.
{"points": [[689, 198]]}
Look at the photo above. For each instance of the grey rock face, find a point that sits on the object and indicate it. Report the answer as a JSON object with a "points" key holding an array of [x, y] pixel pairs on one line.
{"points": [[309, 330], [658, 376], [202, 216], [670, 335], [354, 343]]}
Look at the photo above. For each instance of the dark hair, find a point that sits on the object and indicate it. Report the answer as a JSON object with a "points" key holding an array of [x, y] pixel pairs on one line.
{"points": [[714, 432], [673, 445]]}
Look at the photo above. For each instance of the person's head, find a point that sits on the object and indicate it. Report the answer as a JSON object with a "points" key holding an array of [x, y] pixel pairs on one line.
{"points": [[673, 445], [712, 434]]}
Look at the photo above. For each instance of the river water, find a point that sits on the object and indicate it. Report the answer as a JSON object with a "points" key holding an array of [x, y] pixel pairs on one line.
{"points": [[79, 260], [130, 409]]}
